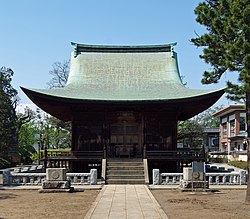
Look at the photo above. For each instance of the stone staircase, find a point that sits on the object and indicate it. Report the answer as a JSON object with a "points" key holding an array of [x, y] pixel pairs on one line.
{"points": [[125, 171]]}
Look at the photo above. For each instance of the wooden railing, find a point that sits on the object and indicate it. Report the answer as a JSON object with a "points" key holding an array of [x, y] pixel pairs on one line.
{"points": [[71, 154], [180, 154]]}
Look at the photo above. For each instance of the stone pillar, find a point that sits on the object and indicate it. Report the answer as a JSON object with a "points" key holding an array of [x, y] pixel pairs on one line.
{"points": [[56, 181], [156, 177], [243, 177], [93, 176], [187, 173], [6, 177]]}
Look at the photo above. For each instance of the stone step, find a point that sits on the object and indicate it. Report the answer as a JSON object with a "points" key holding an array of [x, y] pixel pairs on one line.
{"points": [[124, 164], [125, 181], [125, 177], [111, 168], [125, 172], [124, 160]]}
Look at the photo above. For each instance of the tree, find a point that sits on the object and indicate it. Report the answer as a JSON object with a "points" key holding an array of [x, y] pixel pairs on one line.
{"points": [[10, 122], [190, 133], [26, 142], [60, 73], [226, 47], [8, 118], [26, 135], [206, 118], [51, 132], [61, 130]]}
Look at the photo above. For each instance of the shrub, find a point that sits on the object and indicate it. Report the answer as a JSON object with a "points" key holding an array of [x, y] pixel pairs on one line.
{"points": [[239, 164], [217, 160]]}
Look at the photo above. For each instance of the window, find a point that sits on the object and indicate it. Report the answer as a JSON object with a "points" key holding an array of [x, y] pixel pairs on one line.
{"points": [[224, 130], [232, 128], [242, 124]]}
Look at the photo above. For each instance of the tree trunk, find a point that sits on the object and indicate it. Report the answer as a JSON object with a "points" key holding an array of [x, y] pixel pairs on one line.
{"points": [[248, 145]]}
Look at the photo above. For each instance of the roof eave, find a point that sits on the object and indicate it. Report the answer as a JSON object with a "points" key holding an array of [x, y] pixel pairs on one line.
{"points": [[30, 93]]}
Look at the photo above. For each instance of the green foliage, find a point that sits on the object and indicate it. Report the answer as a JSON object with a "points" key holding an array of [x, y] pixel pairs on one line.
{"points": [[42, 129], [239, 164], [226, 43], [227, 49], [52, 132], [206, 118], [8, 118], [57, 151], [34, 156], [26, 141], [217, 159], [190, 133]]}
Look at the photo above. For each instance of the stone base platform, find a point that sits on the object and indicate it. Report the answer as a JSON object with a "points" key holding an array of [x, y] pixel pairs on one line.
{"points": [[195, 185], [71, 189], [56, 186]]}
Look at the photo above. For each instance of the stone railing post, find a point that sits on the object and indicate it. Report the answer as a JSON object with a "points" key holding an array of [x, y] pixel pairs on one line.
{"points": [[82, 179], [224, 179], [217, 179], [210, 179], [234, 179], [167, 179], [174, 179], [156, 177], [6, 178], [75, 179], [243, 177], [93, 176], [25, 179]]}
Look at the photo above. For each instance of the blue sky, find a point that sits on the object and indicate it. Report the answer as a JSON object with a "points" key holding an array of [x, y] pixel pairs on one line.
{"points": [[36, 33]]}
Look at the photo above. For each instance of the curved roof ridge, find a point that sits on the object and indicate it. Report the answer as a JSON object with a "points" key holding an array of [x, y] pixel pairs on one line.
{"points": [[122, 48]]}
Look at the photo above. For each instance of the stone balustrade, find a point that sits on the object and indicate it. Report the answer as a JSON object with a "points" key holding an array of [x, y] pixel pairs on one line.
{"points": [[232, 178], [171, 178], [20, 178], [79, 178], [25, 178]]}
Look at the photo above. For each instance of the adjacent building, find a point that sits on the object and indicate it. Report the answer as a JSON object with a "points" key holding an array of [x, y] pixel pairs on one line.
{"points": [[232, 128], [211, 140]]}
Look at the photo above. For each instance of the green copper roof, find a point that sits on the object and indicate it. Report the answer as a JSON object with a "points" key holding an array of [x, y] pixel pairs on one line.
{"points": [[124, 73]]}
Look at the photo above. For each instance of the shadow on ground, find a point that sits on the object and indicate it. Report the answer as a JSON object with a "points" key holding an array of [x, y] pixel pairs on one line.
{"points": [[7, 196]]}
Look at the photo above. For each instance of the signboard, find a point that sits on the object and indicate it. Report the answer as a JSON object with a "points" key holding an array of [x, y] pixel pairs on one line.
{"points": [[198, 167]]}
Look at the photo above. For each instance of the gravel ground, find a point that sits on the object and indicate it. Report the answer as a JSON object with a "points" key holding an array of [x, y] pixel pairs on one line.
{"points": [[32, 204], [178, 205], [226, 204]]}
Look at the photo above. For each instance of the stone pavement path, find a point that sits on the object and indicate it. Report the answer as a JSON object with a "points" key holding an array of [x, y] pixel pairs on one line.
{"points": [[125, 202]]}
